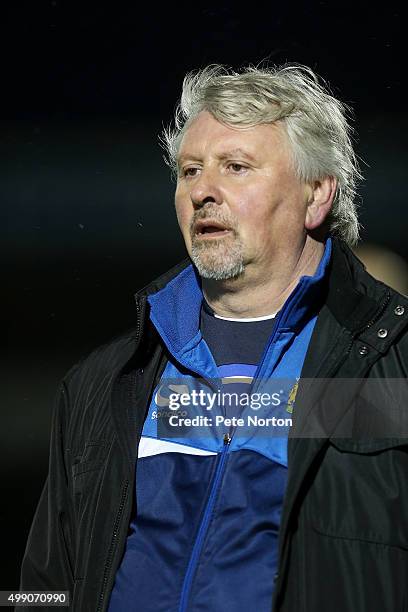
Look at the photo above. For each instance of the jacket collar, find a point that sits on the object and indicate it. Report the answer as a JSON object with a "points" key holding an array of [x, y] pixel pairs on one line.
{"points": [[353, 297]]}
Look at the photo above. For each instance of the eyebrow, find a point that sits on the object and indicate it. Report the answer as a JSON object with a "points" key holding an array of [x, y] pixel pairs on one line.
{"points": [[223, 155]]}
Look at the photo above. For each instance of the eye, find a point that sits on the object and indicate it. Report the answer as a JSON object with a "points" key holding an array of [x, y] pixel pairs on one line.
{"points": [[237, 168], [191, 171]]}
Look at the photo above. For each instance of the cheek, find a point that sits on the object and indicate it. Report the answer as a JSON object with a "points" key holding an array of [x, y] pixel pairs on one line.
{"points": [[255, 210], [183, 214]]}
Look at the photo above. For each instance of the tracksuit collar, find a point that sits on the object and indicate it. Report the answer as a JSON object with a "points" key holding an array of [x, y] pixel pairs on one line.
{"points": [[175, 309]]}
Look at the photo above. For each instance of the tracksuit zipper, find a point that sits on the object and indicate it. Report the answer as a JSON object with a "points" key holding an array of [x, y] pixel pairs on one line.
{"points": [[195, 555], [202, 531]]}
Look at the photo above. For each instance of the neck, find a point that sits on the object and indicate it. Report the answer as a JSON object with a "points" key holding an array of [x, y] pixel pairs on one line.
{"points": [[257, 294]]}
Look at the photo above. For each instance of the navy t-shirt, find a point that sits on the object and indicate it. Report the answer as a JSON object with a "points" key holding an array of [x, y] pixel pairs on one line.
{"points": [[235, 342]]}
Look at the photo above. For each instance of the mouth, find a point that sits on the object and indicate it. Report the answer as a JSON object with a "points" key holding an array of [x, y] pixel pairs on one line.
{"points": [[210, 229]]}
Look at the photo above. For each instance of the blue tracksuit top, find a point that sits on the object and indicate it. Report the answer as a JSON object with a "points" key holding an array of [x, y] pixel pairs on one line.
{"points": [[209, 496]]}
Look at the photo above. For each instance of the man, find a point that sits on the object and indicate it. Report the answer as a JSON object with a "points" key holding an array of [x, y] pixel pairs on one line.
{"points": [[142, 512]]}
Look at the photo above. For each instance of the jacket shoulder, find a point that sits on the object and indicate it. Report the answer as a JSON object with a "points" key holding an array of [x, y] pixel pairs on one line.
{"points": [[104, 359], [82, 412]]}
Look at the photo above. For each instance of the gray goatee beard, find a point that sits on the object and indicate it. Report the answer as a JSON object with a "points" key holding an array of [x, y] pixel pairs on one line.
{"points": [[216, 260]]}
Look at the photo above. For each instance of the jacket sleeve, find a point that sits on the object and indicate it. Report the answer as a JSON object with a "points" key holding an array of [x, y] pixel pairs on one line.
{"points": [[47, 562]]}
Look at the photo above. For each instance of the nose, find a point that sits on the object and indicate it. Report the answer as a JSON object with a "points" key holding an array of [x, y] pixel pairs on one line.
{"points": [[205, 190]]}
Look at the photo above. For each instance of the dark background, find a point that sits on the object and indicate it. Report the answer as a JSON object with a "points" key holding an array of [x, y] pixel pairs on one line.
{"points": [[86, 200]]}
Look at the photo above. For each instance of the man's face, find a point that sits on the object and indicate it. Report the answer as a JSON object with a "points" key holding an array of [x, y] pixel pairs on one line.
{"points": [[239, 204]]}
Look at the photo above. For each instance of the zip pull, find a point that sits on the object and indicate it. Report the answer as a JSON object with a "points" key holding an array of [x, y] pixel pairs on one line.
{"points": [[227, 438]]}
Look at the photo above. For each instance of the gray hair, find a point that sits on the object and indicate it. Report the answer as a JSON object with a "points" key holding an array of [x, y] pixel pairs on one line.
{"points": [[315, 122]]}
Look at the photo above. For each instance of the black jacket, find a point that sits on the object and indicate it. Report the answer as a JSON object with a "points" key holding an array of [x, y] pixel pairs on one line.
{"points": [[344, 527]]}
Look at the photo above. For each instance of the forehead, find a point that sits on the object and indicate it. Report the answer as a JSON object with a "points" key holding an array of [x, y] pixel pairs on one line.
{"points": [[206, 135]]}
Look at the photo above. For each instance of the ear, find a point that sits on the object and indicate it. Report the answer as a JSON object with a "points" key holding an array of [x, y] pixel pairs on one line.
{"points": [[321, 196]]}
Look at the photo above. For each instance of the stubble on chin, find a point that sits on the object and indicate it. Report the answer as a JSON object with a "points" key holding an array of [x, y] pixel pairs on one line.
{"points": [[219, 258]]}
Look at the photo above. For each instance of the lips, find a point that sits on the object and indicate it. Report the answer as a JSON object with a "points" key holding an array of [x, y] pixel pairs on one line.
{"points": [[209, 226]]}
